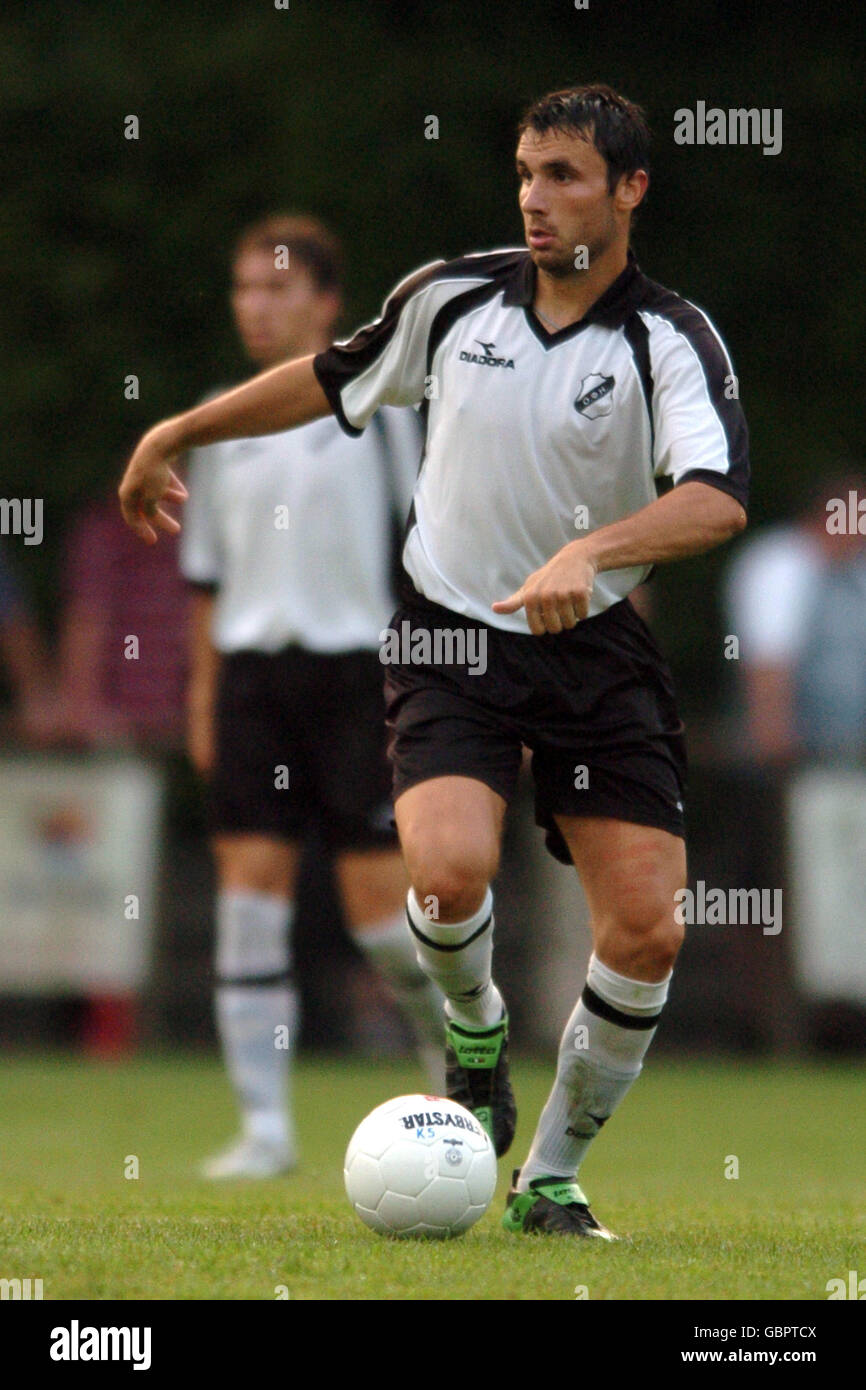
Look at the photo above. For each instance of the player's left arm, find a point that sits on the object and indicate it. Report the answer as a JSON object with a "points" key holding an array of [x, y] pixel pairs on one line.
{"points": [[689, 520]]}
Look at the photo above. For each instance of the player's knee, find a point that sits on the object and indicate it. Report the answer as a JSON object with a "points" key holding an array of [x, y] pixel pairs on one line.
{"points": [[641, 946], [663, 946], [451, 872], [253, 864], [451, 896], [452, 884]]}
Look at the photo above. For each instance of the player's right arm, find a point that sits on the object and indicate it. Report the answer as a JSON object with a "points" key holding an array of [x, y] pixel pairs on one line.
{"points": [[203, 563], [276, 400], [204, 665]]}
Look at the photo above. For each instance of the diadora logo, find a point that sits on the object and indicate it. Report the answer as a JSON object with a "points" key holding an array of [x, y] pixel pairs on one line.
{"points": [[487, 358], [595, 396]]}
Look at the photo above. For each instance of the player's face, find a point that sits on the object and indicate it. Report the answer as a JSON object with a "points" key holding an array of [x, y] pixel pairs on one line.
{"points": [[279, 313], [564, 199]]}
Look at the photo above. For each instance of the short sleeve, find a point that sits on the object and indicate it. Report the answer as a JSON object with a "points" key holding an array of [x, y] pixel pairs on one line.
{"points": [[386, 362], [700, 432]]}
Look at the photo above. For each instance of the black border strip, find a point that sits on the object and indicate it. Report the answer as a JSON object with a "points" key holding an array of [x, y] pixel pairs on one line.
{"points": [[279, 977], [599, 1006], [441, 946]]}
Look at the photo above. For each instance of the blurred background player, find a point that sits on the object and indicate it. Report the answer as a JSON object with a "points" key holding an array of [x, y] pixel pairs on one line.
{"points": [[795, 596], [110, 593], [288, 544]]}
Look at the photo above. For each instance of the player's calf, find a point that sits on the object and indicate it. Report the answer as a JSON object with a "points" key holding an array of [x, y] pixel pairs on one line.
{"points": [[600, 1057], [458, 956]]}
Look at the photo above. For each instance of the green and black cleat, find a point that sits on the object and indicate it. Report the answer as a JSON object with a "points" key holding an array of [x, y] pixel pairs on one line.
{"points": [[552, 1206], [476, 1075]]}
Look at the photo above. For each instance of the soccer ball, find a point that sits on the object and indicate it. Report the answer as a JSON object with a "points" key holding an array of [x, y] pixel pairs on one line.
{"points": [[420, 1166]]}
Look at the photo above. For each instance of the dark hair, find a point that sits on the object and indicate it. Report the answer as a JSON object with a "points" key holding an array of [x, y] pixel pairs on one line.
{"points": [[618, 129], [307, 239]]}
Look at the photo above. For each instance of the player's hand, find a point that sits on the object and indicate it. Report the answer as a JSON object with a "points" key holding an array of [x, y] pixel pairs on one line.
{"points": [[557, 596], [148, 481]]}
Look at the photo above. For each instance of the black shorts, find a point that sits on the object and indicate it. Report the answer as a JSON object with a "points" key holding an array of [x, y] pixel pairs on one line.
{"points": [[595, 705], [315, 721]]}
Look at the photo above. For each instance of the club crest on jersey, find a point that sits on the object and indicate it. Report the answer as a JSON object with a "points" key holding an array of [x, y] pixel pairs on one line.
{"points": [[488, 358], [595, 396]]}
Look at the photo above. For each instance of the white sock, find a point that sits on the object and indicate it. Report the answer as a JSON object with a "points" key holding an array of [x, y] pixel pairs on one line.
{"points": [[600, 1056], [257, 1008], [458, 956], [389, 946]]}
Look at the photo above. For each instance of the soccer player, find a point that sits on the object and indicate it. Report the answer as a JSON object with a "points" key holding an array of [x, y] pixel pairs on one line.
{"points": [[561, 387], [288, 545]]}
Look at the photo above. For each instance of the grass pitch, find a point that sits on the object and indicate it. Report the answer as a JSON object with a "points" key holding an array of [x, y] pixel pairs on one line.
{"points": [[794, 1218]]}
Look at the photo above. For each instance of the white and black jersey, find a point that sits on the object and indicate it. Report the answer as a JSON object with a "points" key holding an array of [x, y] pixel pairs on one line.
{"points": [[535, 438], [293, 532]]}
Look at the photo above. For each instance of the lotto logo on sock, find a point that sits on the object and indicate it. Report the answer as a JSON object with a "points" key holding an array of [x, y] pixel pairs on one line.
{"points": [[731, 907]]}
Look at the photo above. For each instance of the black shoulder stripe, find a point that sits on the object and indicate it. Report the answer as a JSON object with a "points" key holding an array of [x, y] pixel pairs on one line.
{"points": [[691, 323], [455, 309], [497, 265], [343, 361], [637, 337]]}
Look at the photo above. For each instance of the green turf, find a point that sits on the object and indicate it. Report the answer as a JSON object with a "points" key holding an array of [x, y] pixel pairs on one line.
{"points": [[793, 1219]]}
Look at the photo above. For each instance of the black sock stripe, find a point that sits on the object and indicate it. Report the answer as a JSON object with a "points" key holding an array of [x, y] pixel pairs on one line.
{"points": [[443, 946], [599, 1006], [279, 977]]}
